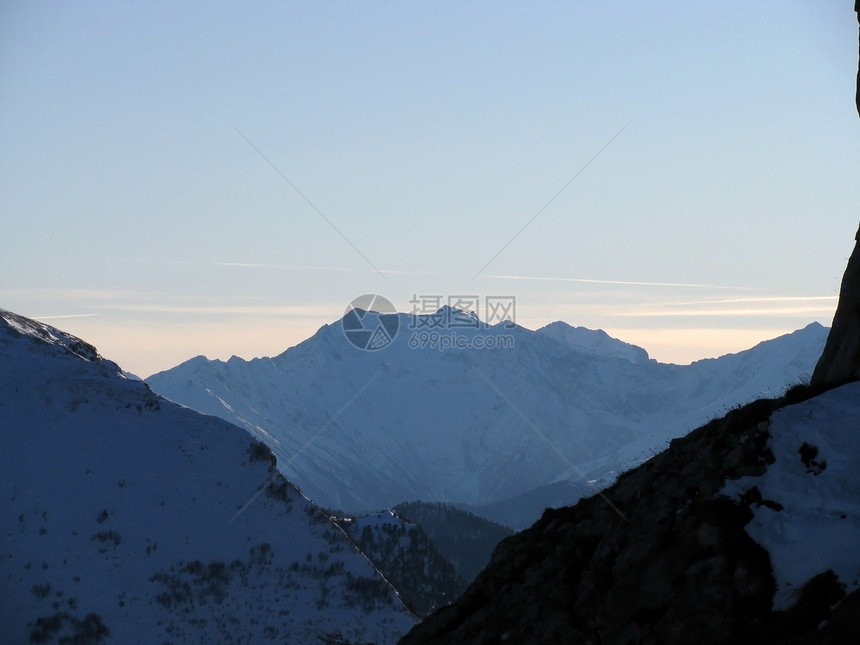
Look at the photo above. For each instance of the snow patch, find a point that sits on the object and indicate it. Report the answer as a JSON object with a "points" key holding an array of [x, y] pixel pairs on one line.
{"points": [[815, 478]]}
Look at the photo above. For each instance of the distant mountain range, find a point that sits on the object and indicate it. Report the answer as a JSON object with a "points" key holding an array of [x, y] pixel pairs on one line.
{"points": [[532, 420], [127, 518]]}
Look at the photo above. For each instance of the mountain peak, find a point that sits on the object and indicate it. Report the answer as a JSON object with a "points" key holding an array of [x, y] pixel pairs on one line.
{"points": [[594, 341], [46, 334]]}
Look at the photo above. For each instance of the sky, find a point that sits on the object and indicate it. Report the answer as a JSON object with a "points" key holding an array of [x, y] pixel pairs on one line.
{"points": [[185, 178]]}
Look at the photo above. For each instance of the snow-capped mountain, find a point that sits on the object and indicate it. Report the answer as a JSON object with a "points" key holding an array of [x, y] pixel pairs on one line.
{"points": [[593, 341], [363, 430], [129, 517]]}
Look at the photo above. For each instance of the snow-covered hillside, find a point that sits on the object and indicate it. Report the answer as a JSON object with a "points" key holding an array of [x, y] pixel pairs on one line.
{"points": [[811, 493], [362, 430], [120, 517]]}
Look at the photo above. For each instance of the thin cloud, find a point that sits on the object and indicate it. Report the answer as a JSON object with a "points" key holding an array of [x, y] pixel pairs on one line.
{"points": [[780, 306], [728, 301], [280, 267], [291, 267], [300, 267], [75, 294], [259, 265], [633, 283], [757, 312], [63, 316], [230, 310]]}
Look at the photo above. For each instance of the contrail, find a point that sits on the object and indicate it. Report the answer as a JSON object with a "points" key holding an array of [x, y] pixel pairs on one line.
{"points": [[552, 199]]}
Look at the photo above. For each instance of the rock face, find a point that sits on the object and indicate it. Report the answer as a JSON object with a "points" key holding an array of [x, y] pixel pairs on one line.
{"points": [[662, 556], [840, 361]]}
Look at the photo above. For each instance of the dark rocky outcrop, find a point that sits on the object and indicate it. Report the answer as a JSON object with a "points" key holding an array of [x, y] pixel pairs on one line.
{"points": [[840, 361], [661, 557]]}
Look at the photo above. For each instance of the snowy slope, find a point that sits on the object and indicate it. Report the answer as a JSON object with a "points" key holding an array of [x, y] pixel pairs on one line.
{"points": [[117, 506], [811, 522], [361, 431]]}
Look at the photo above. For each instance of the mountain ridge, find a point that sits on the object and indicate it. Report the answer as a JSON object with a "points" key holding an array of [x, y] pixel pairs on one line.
{"points": [[351, 428], [594, 341]]}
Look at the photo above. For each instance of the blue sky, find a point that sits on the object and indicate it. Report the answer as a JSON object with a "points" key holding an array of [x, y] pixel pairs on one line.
{"points": [[428, 134]]}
